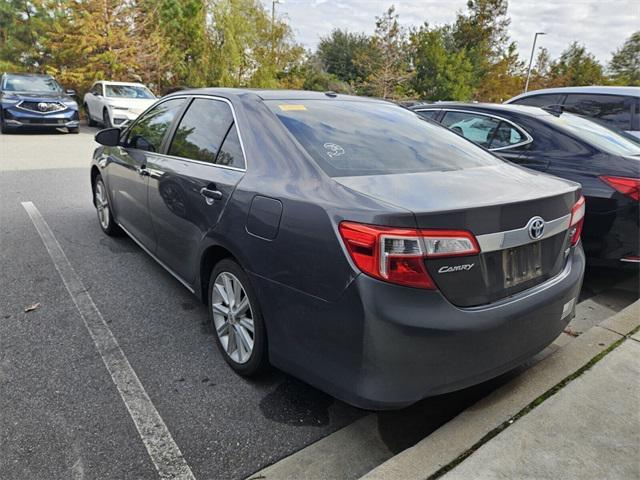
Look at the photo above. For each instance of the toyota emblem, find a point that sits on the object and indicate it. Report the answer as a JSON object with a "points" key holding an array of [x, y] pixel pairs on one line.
{"points": [[536, 228], [43, 107]]}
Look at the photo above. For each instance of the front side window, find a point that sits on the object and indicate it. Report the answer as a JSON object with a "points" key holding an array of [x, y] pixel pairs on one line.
{"points": [[127, 91], [612, 109], [544, 100], [352, 138], [27, 83], [207, 133], [147, 133]]}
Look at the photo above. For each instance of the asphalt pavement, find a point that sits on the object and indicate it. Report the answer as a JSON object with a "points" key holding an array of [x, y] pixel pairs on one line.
{"points": [[62, 415]]}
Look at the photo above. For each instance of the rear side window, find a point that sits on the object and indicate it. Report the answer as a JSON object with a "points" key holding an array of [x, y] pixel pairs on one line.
{"points": [[506, 135], [349, 138], [202, 131], [430, 114], [542, 101], [612, 109], [477, 128], [147, 133]]}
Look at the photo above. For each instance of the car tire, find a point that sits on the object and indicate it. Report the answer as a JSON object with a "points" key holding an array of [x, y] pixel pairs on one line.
{"points": [[74, 129], [103, 208], [90, 121], [232, 330], [106, 121]]}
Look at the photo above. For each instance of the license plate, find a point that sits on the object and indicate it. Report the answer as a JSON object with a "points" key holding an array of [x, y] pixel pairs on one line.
{"points": [[521, 264]]}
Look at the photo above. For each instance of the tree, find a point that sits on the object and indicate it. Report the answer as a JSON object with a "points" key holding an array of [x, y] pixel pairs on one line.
{"points": [[21, 25], [388, 60], [625, 64], [339, 53], [576, 67], [440, 73]]}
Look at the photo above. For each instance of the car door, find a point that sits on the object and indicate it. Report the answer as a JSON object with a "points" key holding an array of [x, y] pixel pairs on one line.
{"points": [[128, 174], [190, 186], [93, 100]]}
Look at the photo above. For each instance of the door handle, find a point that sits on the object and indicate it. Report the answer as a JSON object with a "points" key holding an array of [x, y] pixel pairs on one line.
{"points": [[142, 171], [210, 195]]}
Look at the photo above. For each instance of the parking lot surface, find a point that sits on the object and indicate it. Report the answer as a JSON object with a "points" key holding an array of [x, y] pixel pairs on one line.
{"points": [[62, 415]]}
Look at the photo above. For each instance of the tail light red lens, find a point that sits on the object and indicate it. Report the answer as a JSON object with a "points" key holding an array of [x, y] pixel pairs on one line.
{"points": [[397, 255], [627, 186], [577, 219]]}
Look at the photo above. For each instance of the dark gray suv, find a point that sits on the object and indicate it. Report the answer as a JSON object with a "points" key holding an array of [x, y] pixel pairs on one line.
{"points": [[346, 240]]}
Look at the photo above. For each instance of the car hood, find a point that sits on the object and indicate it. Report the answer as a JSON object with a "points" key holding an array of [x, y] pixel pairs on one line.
{"points": [[136, 105], [38, 96]]}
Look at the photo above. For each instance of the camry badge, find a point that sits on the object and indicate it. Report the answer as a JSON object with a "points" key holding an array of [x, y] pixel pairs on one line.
{"points": [[456, 268], [536, 228]]}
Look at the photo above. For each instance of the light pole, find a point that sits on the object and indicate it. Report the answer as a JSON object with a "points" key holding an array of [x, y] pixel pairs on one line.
{"points": [[533, 50], [273, 23]]}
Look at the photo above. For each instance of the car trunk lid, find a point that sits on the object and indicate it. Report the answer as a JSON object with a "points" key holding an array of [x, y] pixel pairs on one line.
{"points": [[498, 204]]}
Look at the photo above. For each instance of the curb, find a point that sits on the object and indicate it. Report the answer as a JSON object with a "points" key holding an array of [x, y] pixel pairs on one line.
{"points": [[453, 441]]}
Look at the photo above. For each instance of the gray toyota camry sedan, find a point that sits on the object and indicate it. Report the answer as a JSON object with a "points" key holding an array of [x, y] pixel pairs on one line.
{"points": [[345, 240]]}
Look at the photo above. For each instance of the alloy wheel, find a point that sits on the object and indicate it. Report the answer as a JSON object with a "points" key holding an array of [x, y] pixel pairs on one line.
{"points": [[233, 317], [102, 204]]}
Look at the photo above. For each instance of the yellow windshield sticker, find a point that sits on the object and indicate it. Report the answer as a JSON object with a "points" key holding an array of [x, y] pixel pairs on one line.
{"points": [[290, 107]]}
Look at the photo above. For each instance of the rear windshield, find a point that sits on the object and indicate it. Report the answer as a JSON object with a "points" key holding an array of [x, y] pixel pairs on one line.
{"points": [[606, 138], [350, 138]]}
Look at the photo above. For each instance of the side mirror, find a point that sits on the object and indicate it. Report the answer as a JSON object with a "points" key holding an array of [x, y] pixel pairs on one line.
{"points": [[70, 91], [109, 137]]}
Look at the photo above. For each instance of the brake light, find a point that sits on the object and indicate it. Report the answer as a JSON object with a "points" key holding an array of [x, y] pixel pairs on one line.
{"points": [[397, 255], [577, 220], [626, 186]]}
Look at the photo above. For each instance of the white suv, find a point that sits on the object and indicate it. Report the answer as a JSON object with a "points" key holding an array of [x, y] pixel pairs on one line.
{"points": [[116, 103], [616, 106]]}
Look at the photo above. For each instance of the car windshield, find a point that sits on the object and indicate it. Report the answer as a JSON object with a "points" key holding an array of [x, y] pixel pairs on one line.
{"points": [[350, 138], [128, 91], [604, 137], [26, 83]]}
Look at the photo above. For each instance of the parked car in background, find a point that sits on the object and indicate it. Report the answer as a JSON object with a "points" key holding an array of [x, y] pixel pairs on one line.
{"points": [[34, 100], [343, 239], [115, 103], [615, 106], [605, 161]]}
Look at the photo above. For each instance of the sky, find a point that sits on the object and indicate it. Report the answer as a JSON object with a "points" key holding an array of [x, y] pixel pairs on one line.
{"points": [[601, 25]]}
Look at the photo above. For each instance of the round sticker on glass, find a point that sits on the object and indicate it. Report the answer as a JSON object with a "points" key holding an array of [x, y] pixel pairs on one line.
{"points": [[333, 149]]}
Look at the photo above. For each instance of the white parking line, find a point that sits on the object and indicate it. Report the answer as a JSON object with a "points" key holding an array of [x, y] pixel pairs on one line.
{"points": [[164, 453]]}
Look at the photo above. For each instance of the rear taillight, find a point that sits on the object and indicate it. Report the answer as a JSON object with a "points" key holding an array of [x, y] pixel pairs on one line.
{"points": [[577, 219], [397, 254], [626, 186]]}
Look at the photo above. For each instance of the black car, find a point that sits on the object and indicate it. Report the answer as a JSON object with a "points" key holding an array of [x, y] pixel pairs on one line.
{"points": [[33, 100], [345, 240], [604, 160]]}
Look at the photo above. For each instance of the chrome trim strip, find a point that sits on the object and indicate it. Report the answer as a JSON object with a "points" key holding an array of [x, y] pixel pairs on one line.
{"points": [[630, 260], [491, 242], [528, 140], [175, 275]]}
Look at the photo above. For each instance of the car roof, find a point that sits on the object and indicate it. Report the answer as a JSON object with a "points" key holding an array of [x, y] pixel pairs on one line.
{"points": [[131, 84], [608, 90], [275, 94], [484, 107], [27, 74]]}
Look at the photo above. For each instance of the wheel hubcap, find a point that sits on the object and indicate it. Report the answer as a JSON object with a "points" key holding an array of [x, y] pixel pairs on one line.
{"points": [[232, 317], [102, 205]]}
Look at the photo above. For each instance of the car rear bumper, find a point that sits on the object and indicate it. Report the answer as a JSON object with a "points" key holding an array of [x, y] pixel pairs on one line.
{"points": [[14, 118], [384, 346]]}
